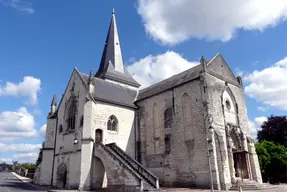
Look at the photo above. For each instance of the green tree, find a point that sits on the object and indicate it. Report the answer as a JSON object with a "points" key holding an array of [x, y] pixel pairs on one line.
{"points": [[274, 129], [263, 156], [273, 161], [29, 166]]}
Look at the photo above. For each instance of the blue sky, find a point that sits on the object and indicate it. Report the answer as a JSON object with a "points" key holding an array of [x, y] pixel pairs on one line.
{"points": [[42, 41]]}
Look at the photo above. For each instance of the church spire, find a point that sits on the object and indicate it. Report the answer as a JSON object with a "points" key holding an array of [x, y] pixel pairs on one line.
{"points": [[112, 65], [53, 104], [54, 101]]}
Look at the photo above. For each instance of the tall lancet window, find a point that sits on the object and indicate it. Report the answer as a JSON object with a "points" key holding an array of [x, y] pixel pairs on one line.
{"points": [[112, 124], [156, 129], [187, 117], [72, 113], [156, 121], [229, 107], [168, 116]]}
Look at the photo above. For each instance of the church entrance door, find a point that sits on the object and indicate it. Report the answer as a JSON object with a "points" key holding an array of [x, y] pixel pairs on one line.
{"points": [[62, 176], [99, 136], [240, 165]]}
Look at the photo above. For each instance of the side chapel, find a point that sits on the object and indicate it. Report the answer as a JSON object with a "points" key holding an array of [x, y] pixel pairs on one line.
{"points": [[107, 133]]}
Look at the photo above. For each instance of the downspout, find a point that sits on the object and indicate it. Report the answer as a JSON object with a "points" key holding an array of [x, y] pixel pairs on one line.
{"points": [[55, 142], [136, 131]]}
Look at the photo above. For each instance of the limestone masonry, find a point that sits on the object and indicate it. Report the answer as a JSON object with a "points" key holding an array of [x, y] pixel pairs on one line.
{"points": [[107, 133]]}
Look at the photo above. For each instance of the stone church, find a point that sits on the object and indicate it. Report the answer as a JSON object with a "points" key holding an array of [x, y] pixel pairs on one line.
{"points": [[190, 130]]}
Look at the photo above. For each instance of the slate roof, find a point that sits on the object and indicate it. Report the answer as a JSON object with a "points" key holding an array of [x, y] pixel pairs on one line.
{"points": [[171, 82], [112, 65], [112, 92]]}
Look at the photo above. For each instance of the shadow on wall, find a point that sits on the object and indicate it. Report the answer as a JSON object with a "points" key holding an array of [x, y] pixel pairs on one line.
{"points": [[99, 176], [130, 148]]}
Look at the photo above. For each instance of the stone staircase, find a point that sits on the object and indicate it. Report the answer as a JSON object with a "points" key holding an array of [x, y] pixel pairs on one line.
{"points": [[248, 185], [149, 182]]}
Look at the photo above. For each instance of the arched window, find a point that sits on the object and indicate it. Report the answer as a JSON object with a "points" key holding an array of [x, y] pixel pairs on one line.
{"points": [[156, 121], [156, 128], [230, 107], [72, 112], [187, 117], [112, 123], [82, 121], [60, 129], [168, 116]]}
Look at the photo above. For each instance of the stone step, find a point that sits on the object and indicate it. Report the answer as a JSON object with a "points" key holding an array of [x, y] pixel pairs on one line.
{"points": [[150, 181], [250, 186]]}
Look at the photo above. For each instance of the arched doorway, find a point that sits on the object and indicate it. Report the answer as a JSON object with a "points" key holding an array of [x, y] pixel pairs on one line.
{"points": [[99, 135], [99, 179], [239, 154], [62, 176]]}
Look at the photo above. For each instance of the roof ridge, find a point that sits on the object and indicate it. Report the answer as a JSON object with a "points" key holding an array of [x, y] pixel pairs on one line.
{"points": [[170, 77]]}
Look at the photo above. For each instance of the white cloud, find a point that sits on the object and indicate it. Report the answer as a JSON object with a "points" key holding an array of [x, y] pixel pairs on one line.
{"points": [[20, 148], [19, 5], [16, 125], [260, 120], [43, 130], [171, 22], [253, 129], [262, 108], [255, 126], [31, 156], [152, 69], [21, 152], [269, 85], [6, 160], [29, 87]]}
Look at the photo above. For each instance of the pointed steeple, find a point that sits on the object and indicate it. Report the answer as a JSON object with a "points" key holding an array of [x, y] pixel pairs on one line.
{"points": [[53, 104], [54, 101], [112, 65], [91, 78]]}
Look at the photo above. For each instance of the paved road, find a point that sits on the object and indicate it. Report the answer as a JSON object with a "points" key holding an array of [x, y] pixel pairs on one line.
{"points": [[10, 183]]}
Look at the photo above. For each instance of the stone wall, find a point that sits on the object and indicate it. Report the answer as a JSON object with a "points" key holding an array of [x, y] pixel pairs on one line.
{"points": [[71, 160], [66, 151], [65, 139], [218, 92], [186, 164], [124, 136]]}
